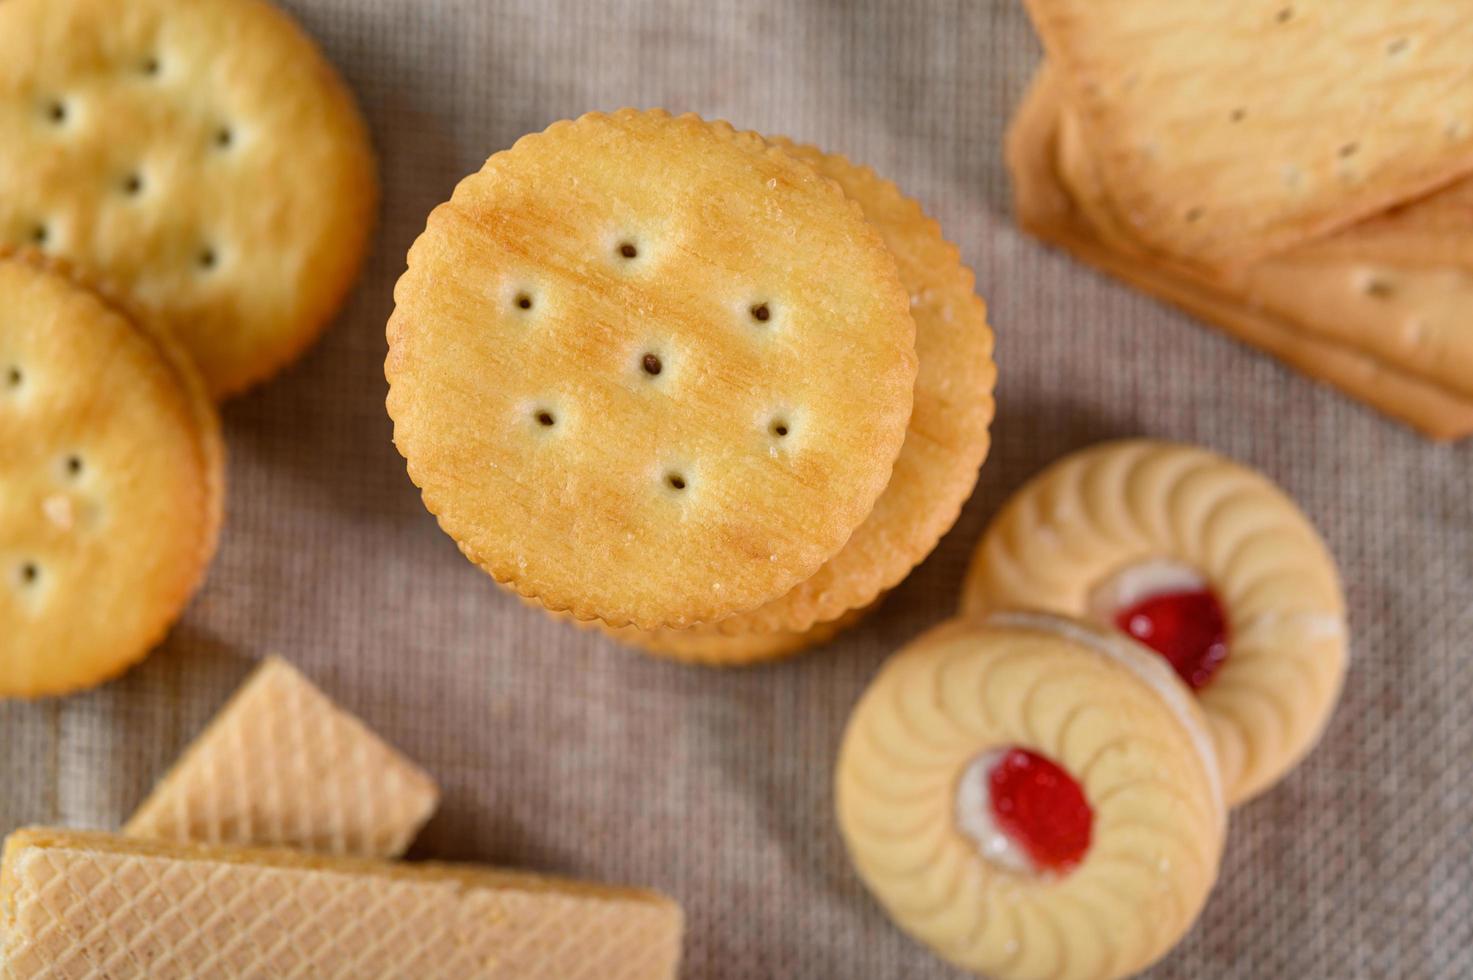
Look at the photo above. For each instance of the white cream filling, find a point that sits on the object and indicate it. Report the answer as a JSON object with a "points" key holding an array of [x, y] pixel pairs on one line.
{"points": [[1146, 665], [1136, 583], [974, 816]]}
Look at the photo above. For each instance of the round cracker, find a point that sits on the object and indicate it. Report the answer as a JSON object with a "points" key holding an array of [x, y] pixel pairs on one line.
{"points": [[199, 160], [579, 471], [948, 437], [709, 647], [112, 472]]}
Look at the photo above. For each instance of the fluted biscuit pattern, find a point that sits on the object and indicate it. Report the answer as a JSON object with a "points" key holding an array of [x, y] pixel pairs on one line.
{"points": [[1113, 506], [965, 689]]}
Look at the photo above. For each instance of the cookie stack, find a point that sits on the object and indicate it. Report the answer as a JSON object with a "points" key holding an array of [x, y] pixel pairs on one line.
{"points": [[263, 854], [711, 392], [1296, 173], [1150, 634], [186, 195]]}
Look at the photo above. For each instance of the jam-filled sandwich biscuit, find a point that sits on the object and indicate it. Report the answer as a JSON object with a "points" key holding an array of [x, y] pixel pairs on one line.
{"points": [[198, 160], [1200, 559], [649, 369], [111, 482], [1032, 798]]}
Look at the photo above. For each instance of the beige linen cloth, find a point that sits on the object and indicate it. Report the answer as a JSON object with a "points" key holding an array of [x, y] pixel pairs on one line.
{"points": [[560, 752]]}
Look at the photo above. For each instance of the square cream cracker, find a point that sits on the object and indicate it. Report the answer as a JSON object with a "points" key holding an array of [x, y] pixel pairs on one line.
{"points": [[282, 765]]}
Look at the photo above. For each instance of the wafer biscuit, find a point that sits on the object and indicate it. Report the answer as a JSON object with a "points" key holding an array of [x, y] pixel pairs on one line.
{"points": [[113, 475], [648, 369], [1046, 209], [93, 906], [282, 765], [1229, 130], [199, 160]]}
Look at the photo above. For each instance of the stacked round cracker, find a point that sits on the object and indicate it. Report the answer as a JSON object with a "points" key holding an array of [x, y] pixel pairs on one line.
{"points": [[661, 376], [200, 165]]}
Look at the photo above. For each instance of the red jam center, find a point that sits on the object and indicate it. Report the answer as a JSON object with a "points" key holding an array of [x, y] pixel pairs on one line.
{"points": [[1042, 808], [1187, 628]]}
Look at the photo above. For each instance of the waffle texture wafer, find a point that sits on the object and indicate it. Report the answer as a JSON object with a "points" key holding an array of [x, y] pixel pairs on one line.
{"points": [[103, 907], [1046, 208], [113, 474], [282, 765], [1230, 130], [648, 369], [199, 160]]}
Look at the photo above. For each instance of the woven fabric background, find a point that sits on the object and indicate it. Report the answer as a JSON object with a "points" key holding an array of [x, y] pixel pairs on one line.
{"points": [[560, 752]]}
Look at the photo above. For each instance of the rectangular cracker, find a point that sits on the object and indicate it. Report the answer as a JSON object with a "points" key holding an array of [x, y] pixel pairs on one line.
{"points": [[1227, 130], [92, 906], [1045, 209], [282, 765], [1398, 287]]}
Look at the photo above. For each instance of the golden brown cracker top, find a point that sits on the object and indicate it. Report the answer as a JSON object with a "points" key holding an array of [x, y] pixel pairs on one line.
{"points": [[111, 465], [197, 158], [648, 369], [947, 439], [1229, 130]]}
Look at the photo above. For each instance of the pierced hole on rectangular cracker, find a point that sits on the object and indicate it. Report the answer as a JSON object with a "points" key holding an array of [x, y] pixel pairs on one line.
{"points": [[72, 466], [1397, 46], [1193, 214], [760, 312], [40, 235], [224, 137], [29, 573], [133, 185], [208, 258], [1284, 15], [628, 250], [1348, 150], [152, 66], [1238, 115], [14, 376], [675, 481], [56, 111]]}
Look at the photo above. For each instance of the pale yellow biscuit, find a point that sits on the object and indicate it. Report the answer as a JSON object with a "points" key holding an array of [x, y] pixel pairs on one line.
{"points": [[1230, 130], [197, 159], [112, 469], [1066, 541], [709, 646], [1397, 287], [648, 369], [282, 765], [947, 439], [915, 810], [92, 906], [1046, 208]]}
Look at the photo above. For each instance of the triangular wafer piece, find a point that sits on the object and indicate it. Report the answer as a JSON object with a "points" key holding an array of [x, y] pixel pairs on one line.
{"points": [[104, 907], [283, 765], [1046, 209], [1228, 130]]}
